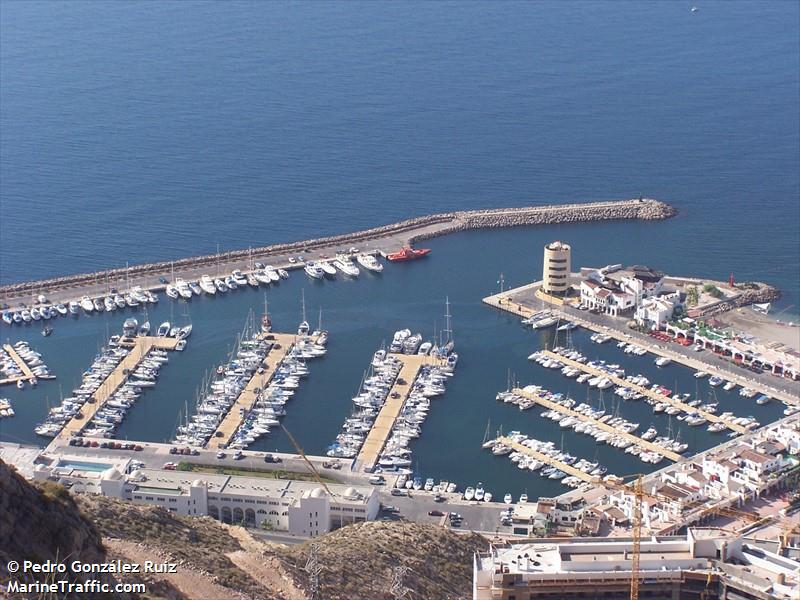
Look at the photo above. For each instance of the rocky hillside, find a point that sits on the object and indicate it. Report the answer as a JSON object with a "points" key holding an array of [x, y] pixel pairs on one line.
{"points": [[41, 523], [215, 561]]}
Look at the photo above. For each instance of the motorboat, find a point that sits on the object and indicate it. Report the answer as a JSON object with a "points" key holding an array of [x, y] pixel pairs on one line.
{"points": [[346, 266], [252, 281], [36, 315], [108, 303], [207, 285], [327, 268], [262, 277], [144, 329], [273, 273], [314, 271], [98, 305], [283, 273], [163, 329], [479, 492], [74, 307], [508, 499], [407, 253], [196, 289], [172, 292], [62, 309], [130, 327], [86, 304], [221, 286], [239, 277], [369, 262], [469, 494], [232, 283], [715, 381], [662, 361], [184, 332], [183, 289]]}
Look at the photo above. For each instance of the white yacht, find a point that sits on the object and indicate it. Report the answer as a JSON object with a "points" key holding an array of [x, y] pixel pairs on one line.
{"points": [[183, 289], [221, 286], [508, 499], [469, 494], [346, 266], [86, 304], [273, 273], [479, 492], [662, 361], [327, 267], [313, 270], [239, 277], [163, 329], [369, 262], [74, 307], [262, 277], [172, 291], [207, 285]]}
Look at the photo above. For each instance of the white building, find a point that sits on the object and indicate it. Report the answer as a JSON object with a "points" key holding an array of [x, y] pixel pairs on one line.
{"points": [[654, 313], [616, 291], [299, 507], [670, 567]]}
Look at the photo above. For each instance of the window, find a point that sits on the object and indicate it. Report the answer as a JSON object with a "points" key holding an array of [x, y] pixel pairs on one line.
{"points": [[148, 497], [558, 260], [137, 497], [173, 500], [161, 499]]}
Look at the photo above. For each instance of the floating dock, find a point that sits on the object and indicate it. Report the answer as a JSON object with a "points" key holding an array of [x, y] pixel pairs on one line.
{"points": [[140, 348], [27, 374], [382, 427], [283, 343], [504, 301], [553, 462], [568, 412], [646, 392]]}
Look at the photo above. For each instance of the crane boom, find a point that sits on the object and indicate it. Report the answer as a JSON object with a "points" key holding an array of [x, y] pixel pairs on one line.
{"points": [[638, 493], [308, 462]]}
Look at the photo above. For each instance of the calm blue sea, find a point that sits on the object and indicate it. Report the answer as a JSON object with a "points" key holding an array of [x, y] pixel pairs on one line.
{"points": [[132, 132]]}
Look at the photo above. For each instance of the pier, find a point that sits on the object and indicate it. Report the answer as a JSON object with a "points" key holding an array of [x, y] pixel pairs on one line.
{"points": [[140, 348], [27, 374], [646, 391], [568, 412], [282, 344], [553, 462], [386, 238], [382, 427], [510, 301]]}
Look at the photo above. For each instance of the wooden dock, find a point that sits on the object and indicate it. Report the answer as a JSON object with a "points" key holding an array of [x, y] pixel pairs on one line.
{"points": [[568, 412], [646, 391], [283, 343], [27, 374], [553, 462], [140, 348], [382, 427]]}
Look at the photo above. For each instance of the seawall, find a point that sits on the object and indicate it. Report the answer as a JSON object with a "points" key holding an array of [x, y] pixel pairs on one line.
{"points": [[406, 231]]}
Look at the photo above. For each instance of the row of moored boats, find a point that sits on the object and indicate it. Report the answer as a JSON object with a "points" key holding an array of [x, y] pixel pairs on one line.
{"points": [[9, 369], [343, 264]]}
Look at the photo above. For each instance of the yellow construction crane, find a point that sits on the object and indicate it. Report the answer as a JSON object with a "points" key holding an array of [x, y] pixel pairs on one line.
{"points": [[638, 494], [308, 462]]}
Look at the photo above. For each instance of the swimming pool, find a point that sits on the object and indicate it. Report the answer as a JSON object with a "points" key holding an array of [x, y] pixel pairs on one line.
{"points": [[83, 465]]}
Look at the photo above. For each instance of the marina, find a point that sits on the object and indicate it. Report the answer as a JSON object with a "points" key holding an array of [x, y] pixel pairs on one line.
{"points": [[598, 423], [647, 392], [390, 411], [138, 350], [517, 444], [21, 364]]}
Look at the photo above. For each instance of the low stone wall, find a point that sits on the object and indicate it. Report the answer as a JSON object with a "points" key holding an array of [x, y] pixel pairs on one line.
{"points": [[644, 209], [753, 292]]}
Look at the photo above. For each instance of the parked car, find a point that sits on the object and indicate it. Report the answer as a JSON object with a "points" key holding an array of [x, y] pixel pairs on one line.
{"points": [[435, 513], [220, 454]]}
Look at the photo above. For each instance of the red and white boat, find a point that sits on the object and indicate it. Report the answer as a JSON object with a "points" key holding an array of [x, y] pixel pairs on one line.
{"points": [[408, 253]]}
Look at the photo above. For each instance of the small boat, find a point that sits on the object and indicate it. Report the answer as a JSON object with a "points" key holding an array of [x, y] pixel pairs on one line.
{"points": [[283, 273], [74, 307], [469, 494], [47, 331], [762, 399], [7, 318], [163, 329], [715, 381], [232, 283], [172, 292], [61, 309], [479, 492], [184, 332], [220, 285], [729, 386], [508, 499], [346, 266], [98, 305], [252, 281], [487, 497], [700, 374], [196, 289], [86, 304], [144, 329], [407, 253], [523, 498], [35, 314], [663, 361], [207, 285], [130, 327]]}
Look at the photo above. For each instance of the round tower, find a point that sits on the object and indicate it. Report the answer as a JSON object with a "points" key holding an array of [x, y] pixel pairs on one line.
{"points": [[556, 269]]}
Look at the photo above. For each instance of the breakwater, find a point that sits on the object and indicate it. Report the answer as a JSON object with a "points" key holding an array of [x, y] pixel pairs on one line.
{"points": [[394, 235]]}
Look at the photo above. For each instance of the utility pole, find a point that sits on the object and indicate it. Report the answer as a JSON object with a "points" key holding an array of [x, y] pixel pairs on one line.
{"points": [[313, 568], [398, 590]]}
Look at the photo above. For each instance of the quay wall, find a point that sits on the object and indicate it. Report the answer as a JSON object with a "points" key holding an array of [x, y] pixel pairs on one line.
{"points": [[418, 228]]}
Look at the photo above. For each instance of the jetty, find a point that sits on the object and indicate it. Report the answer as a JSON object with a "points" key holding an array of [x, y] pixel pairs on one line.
{"points": [[510, 301], [658, 397], [140, 347], [383, 239], [553, 462], [27, 374], [281, 345], [568, 412], [384, 422]]}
